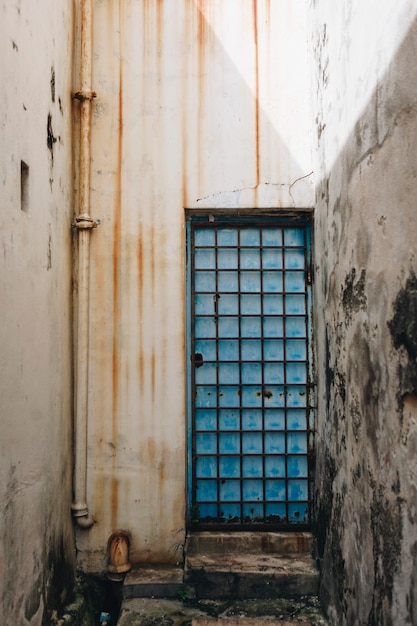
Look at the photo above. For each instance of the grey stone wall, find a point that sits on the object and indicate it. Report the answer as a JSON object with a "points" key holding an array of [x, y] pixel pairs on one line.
{"points": [[366, 319]]}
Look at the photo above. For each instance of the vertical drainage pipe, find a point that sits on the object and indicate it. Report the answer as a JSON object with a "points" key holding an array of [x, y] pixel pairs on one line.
{"points": [[84, 224]]}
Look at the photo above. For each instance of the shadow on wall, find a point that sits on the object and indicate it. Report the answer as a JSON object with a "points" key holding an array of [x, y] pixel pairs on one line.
{"points": [[366, 233]]}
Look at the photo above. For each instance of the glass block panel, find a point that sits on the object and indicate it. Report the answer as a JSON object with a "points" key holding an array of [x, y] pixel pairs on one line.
{"points": [[227, 258], [251, 350], [205, 281], [205, 419], [252, 467], [205, 327], [296, 372], [207, 512], [230, 512], [250, 327], [298, 513], [273, 304], [295, 327], [228, 350], [206, 490], [294, 282], [297, 466], [250, 304], [295, 350], [297, 443], [203, 304], [273, 373], [252, 373], [205, 397], [274, 419], [206, 443], [228, 304], [229, 373], [227, 236], [228, 327], [253, 490], [272, 281], [204, 237], [297, 396], [206, 374], [227, 281], [253, 512], [252, 419], [272, 237], [272, 259], [252, 443], [273, 327], [229, 443], [275, 512], [229, 419], [295, 305], [206, 467], [275, 490], [274, 443], [297, 419], [229, 467], [251, 396], [229, 397], [250, 259], [275, 466], [250, 237], [206, 348], [229, 490], [294, 259], [204, 258], [294, 237], [250, 282]]}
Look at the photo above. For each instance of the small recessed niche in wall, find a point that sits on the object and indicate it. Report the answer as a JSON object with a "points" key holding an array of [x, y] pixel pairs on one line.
{"points": [[24, 187]]}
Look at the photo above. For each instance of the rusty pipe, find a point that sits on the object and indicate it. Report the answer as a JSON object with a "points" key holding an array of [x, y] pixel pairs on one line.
{"points": [[83, 224]]}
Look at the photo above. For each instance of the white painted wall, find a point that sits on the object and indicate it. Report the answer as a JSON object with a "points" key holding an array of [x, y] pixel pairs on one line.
{"points": [[36, 539], [200, 105]]}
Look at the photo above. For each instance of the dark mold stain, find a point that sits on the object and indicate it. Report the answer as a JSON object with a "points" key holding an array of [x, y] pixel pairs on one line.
{"points": [[403, 327], [50, 138], [353, 294], [52, 84]]}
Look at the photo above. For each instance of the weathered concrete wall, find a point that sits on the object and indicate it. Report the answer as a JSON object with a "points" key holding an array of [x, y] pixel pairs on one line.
{"points": [[365, 242], [200, 105], [36, 539]]}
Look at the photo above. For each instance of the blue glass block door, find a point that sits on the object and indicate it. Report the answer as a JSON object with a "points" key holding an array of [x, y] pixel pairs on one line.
{"points": [[251, 389]]}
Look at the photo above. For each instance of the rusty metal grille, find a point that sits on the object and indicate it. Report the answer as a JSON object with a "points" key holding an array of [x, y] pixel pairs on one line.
{"points": [[252, 393]]}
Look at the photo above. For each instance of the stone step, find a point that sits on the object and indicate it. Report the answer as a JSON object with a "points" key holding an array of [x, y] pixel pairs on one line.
{"points": [[256, 621], [156, 581], [206, 542]]}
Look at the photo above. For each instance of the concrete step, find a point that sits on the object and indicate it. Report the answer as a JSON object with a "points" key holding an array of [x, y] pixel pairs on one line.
{"points": [[156, 581], [250, 565], [256, 621]]}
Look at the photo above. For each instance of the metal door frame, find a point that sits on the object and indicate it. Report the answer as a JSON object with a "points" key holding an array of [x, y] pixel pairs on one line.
{"points": [[304, 220]]}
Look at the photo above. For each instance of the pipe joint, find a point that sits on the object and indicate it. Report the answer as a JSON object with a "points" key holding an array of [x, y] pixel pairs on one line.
{"points": [[85, 222], [84, 95]]}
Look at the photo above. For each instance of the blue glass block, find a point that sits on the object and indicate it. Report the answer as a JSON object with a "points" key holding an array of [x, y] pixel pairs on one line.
{"points": [[250, 304], [297, 443], [207, 511], [229, 419], [253, 490], [297, 466], [252, 419], [295, 305], [294, 259], [295, 350], [228, 374], [206, 348], [275, 490], [250, 282], [230, 512], [298, 490], [251, 396], [229, 443], [250, 237], [273, 373], [275, 466], [252, 467], [271, 236], [229, 491], [205, 397], [229, 467], [204, 258], [203, 304], [273, 351], [297, 419], [204, 327], [294, 282], [227, 259], [297, 397], [228, 304], [273, 304], [275, 511], [298, 513], [253, 512], [228, 327], [227, 281], [296, 372], [205, 281], [229, 397], [206, 491], [228, 350], [251, 350], [294, 237], [272, 281], [252, 443], [206, 467], [295, 326], [272, 259], [274, 396], [206, 443], [273, 327], [250, 327], [205, 419], [227, 237], [206, 374], [274, 419], [204, 237], [274, 443], [252, 373], [250, 259]]}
